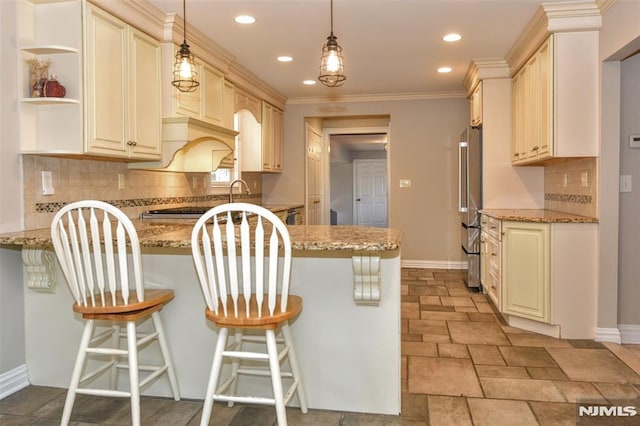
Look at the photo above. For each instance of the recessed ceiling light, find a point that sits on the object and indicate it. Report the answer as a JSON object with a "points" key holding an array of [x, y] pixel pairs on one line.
{"points": [[285, 58], [309, 82], [452, 37], [245, 19], [444, 70]]}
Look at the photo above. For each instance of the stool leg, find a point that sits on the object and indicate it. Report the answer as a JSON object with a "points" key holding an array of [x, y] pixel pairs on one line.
{"points": [[295, 367], [216, 366], [132, 346], [276, 378], [164, 348], [77, 371], [235, 365], [115, 343]]}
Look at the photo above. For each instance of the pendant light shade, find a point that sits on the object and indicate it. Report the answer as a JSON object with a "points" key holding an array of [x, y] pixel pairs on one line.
{"points": [[332, 63], [185, 75]]}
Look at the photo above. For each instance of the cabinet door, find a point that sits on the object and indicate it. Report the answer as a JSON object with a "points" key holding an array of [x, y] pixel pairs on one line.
{"points": [[228, 99], [533, 108], [145, 96], [525, 275], [106, 57], [545, 99], [267, 136], [211, 96], [188, 103], [476, 106], [277, 140], [484, 261]]}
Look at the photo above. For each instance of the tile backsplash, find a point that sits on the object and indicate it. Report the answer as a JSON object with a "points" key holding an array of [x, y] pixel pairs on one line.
{"points": [[571, 186], [134, 191]]}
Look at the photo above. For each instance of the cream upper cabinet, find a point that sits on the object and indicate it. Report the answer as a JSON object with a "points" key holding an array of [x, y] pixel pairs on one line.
{"points": [[212, 101], [123, 86], [554, 103], [526, 270], [476, 105], [111, 72], [261, 143]]}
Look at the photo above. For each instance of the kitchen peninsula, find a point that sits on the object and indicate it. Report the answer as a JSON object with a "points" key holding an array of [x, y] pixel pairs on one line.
{"points": [[347, 336]]}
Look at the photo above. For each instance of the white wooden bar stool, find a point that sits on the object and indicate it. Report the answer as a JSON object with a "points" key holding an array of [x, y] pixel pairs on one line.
{"points": [[245, 283], [99, 254]]}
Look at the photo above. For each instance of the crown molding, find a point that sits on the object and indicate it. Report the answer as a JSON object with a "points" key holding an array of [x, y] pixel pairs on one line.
{"points": [[484, 69], [380, 97], [138, 13], [553, 18], [604, 5]]}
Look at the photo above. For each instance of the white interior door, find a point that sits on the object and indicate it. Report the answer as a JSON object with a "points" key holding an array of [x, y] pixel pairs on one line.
{"points": [[314, 177], [370, 192]]}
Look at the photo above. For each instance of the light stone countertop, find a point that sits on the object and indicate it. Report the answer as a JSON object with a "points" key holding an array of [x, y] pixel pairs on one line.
{"points": [[536, 215], [160, 234]]}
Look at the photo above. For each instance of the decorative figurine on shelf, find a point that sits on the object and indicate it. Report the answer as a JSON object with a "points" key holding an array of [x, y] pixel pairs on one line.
{"points": [[53, 88], [38, 72]]}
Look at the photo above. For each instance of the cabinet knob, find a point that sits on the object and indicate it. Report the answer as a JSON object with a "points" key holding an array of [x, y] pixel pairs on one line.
{"points": [[132, 143]]}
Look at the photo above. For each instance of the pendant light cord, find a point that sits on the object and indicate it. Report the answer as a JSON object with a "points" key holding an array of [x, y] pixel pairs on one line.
{"points": [[184, 20], [331, 17]]}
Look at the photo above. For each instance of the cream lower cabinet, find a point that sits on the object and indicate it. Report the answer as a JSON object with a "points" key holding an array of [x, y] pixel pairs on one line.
{"points": [[525, 270], [123, 89], [491, 259], [542, 276]]}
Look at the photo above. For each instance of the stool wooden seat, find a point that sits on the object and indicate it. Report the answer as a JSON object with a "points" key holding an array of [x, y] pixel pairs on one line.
{"points": [[244, 271], [99, 253]]}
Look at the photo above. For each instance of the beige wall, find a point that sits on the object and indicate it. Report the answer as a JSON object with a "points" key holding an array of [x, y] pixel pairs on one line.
{"points": [[629, 243], [422, 147], [619, 37]]}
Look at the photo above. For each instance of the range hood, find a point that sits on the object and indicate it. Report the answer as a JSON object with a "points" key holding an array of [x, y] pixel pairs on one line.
{"points": [[191, 145]]}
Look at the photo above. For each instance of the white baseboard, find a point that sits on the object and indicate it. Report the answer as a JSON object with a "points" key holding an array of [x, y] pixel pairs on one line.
{"points": [[14, 380], [630, 333], [434, 264], [607, 335]]}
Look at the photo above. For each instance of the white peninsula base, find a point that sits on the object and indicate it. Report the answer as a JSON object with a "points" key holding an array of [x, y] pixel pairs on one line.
{"points": [[349, 353]]}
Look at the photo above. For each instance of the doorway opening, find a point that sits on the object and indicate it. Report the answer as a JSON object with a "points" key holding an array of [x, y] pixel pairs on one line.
{"points": [[347, 173]]}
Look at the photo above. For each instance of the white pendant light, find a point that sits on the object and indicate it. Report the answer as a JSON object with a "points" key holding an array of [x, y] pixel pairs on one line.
{"points": [[185, 75], [332, 64]]}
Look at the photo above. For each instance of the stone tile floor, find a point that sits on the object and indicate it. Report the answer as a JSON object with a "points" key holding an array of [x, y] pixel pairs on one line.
{"points": [[461, 365]]}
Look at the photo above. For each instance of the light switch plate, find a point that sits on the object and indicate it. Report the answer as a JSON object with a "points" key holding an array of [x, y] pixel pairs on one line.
{"points": [[405, 183], [625, 183]]}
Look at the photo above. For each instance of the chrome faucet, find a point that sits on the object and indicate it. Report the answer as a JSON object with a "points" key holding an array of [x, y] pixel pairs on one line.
{"points": [[231, 188]]}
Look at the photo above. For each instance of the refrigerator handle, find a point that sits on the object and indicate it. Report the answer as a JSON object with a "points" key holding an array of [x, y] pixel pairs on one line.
{"points": [[463, 177]]}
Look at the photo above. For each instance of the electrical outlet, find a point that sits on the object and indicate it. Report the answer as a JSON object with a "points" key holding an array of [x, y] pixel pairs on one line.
{"points": [[405, 183], [565, 180], [584, 179], [47, 183], [121, 182]]}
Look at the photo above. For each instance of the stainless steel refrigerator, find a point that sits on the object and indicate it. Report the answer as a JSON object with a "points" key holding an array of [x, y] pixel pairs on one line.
{"points": [[470, 198]]}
